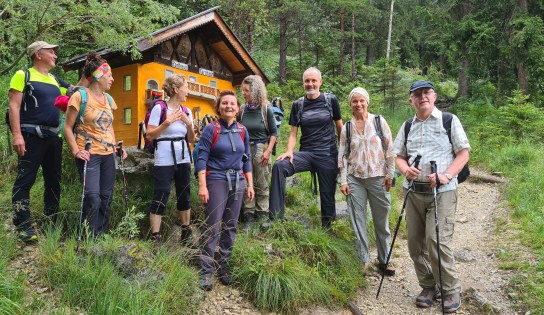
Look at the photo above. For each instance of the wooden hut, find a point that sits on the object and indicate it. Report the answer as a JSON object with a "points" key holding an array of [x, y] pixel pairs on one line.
{"points": [[202, 48]]}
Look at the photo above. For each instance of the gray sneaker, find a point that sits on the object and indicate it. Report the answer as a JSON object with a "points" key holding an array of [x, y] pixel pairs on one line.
{"points": [[452, 302], [427, 296]]}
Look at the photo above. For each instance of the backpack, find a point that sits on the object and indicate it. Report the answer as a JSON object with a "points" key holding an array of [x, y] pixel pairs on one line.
{"points": [[151, 145], [446, 123], [277, 108]]}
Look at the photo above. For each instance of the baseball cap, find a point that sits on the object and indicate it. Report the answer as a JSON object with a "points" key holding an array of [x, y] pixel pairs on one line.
{"points": [[35, 46], [421, 84]]}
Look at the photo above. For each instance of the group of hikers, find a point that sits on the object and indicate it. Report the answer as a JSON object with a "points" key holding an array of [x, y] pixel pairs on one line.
{"points": [[234, 164]]}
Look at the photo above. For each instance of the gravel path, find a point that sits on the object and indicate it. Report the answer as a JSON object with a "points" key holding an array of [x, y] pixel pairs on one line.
{"points": [[477, 241], [479, 237]]}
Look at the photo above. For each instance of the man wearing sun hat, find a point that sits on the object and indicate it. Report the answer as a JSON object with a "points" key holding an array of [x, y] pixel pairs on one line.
{"points": [[428, 138], [34, 122]]}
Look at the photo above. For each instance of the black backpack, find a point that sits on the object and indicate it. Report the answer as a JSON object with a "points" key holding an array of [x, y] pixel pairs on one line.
{"points": [[446, 123]]}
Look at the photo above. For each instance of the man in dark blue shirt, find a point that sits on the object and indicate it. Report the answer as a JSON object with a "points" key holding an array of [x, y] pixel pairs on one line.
{"points": [[318, 115], [34, 123]]}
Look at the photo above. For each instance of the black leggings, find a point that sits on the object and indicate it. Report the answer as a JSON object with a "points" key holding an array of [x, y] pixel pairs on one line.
{"points": [[162, 177]]}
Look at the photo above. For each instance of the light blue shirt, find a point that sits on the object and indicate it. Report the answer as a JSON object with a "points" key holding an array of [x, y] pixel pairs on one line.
{"points": [[429, 139]]}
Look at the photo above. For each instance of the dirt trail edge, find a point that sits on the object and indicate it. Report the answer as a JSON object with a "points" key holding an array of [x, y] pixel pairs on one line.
{"points": [[476, 244]]}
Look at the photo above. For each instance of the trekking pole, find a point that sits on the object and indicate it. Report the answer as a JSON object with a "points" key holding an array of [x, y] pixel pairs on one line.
{"points": [[434, 170], [87, 148], [125, 191], [416, 164]]}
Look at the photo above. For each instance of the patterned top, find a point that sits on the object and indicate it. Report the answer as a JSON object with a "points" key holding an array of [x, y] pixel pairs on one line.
{"points": [[429, 139], [367, 158], [97, 121]]}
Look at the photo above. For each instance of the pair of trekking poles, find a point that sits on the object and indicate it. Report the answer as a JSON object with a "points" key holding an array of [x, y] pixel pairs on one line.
{"points": [[88, 145], [410, 189]]}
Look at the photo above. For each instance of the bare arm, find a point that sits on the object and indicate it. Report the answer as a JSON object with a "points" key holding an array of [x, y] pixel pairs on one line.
{"points": [[15, 100], [70, 120], [339, 124]]}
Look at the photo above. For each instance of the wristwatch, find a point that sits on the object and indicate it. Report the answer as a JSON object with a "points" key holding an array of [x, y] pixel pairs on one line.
{"points": [[448, 176]]}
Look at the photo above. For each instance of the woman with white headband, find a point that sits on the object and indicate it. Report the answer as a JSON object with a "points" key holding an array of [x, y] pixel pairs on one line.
{"points": [[367, 167], [89, 133]]}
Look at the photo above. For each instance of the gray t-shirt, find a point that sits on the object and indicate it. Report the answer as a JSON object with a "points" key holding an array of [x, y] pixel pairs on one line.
{"points": [[163, 154], [317, 128]]}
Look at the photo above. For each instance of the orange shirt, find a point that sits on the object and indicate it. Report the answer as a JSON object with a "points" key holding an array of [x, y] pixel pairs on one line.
{"points": [[97, 122]]}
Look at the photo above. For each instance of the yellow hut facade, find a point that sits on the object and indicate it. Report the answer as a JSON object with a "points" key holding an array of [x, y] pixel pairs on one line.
{"points": [[202, 48]]}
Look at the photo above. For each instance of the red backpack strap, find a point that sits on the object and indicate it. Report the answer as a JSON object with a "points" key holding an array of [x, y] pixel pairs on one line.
{"points": [[216, 126], [242, 131]]}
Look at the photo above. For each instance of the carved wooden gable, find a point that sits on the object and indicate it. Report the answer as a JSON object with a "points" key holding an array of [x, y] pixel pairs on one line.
{"points": [[192, 50]]}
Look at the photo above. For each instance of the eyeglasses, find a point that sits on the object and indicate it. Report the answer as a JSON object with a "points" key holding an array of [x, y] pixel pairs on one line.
{"points": [[420, 94]]}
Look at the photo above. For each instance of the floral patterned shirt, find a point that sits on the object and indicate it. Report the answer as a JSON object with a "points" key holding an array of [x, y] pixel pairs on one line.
{"points": [[367, 157]]}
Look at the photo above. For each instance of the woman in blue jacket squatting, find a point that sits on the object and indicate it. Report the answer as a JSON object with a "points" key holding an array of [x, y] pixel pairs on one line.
{"points": [[224, 171]]}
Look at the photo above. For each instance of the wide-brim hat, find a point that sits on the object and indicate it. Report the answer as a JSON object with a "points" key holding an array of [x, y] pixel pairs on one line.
{"points": [[35, 46]]}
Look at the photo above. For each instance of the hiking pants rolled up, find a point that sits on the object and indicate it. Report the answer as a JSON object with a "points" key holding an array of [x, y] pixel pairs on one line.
{"points": [[99, 182], [222, 211], [47, 153], [371, 190], [422, 238], [261, 174], [326, 168], [162, 176]]}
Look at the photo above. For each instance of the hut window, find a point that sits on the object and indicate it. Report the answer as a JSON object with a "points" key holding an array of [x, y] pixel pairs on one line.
{"points": [[168, 73], [127, 83], [213, 83], [152, 84], [192, 78], [127, 116]]}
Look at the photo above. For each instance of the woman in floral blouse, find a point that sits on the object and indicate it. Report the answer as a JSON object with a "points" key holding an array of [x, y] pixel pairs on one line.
{"points": [[367, 167]]}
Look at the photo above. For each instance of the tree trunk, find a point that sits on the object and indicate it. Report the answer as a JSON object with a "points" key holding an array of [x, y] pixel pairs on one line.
{"points": [[283, 49], [390, 29], [523, 82], [342, 28], [353, 70], [462, 78], [522, 71], [369, 55]]}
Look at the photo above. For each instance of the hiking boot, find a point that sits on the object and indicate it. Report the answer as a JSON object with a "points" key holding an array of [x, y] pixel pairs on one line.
{"points": [[226, 279], [452, 302], [186, 232], [248, 218], [427, 296], [388, 269], [261, 216], [27, 234], [156, 238], [205, 283]]}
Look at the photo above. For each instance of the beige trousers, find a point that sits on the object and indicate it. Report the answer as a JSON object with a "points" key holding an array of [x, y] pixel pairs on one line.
{"points": [[420, 224]]}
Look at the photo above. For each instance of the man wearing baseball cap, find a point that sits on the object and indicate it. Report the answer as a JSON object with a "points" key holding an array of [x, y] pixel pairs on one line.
{"points": [[34, 122], [428, 138]]}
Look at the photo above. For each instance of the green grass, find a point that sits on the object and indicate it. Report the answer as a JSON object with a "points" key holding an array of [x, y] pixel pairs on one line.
{"points": [[521, 159], [290, 266], [91, 280], [11, 289]]}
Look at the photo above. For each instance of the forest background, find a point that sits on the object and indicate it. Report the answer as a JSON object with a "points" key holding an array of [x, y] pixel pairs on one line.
{"points": [[485, 57]]}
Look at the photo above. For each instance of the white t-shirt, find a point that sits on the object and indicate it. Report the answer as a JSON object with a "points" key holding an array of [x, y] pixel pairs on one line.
{"points": [[163, 154]]}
